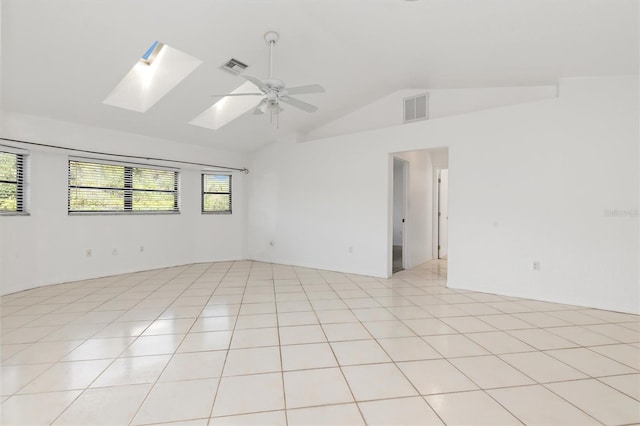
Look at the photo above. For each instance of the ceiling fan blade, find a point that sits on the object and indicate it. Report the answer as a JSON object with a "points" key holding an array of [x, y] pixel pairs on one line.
{"points": [[302, 90], [299, 104], [259, 109], [257, 82], [237, 94]]}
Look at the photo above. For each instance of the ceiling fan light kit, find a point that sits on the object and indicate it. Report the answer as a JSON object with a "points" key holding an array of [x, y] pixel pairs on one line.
{"points": [[274, 90]]}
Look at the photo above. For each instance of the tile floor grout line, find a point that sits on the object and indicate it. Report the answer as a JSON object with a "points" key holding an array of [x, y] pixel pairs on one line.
{"points": [[233, 332], [284, 391], [93, 381], [184, 338], [61, 359], [581, 371], [544, 385], [484, 390], [153, 385], [344, 377], [610, 386]]}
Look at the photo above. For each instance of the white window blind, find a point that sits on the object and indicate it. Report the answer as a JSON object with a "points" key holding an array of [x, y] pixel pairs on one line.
{"points": [[216, 193], [12, 183], [105, 187]]}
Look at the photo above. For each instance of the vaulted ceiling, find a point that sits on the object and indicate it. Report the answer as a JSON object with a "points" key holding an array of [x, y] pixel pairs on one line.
{"points": [[60, 59]]}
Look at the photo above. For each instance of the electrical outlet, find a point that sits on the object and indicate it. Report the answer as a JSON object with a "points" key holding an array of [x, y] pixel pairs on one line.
{"points": [[535, 265], [114, 252], [89, 253]]}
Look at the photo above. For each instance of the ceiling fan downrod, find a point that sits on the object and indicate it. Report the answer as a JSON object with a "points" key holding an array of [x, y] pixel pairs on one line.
{"points": [[271, 38]]}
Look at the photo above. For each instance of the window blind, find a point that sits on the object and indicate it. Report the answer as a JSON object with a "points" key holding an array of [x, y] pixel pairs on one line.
{"points": [[216, 193], [12, 182], [106, 187]]}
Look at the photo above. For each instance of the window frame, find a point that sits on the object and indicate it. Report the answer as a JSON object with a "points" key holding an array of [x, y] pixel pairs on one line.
{"points": [[203, 193], [128, 188], [20, 183]]}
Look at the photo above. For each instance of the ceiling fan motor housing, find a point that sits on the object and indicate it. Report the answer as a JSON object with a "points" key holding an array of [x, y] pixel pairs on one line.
{"points": [[274, 84]]}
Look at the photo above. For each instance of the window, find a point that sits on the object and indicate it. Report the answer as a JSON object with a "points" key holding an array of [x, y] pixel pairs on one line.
{"points": [[105, 187], [216, 193], [12, 172]]}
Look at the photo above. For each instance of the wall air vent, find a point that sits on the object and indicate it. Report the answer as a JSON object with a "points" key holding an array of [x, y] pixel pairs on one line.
{"points": [[416, 108], [234, 66]]}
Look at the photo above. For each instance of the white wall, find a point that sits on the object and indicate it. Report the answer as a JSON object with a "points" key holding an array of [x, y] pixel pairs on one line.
{"points": [[387, 111], [1, 57], [526, 181], [49, 246], [314, 201]]}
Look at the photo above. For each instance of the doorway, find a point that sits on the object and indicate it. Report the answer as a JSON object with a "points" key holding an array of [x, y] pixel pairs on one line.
{"points": [[443, 213], [412, 233], [400, 173]]}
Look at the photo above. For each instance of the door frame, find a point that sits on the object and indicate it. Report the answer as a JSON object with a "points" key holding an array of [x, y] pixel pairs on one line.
{"points": [[405, 208], [436, 213]]}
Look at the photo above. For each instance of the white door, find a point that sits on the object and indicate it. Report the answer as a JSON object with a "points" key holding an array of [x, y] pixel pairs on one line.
{"points": [[399, 212], [443, 213]]}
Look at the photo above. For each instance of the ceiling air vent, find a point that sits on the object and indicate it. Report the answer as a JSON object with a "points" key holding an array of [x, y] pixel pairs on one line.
{"points": [[416, 108], [234, 66]]}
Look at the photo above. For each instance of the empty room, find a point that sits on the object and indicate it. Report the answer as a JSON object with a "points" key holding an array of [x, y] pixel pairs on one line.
{"points": [[306, 212]]}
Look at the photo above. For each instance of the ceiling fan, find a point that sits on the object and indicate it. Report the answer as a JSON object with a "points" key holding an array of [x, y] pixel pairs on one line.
{"points": [[274, 91]]}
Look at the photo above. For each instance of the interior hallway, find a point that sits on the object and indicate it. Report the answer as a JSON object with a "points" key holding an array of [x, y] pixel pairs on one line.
{"points": [[256, 343]]}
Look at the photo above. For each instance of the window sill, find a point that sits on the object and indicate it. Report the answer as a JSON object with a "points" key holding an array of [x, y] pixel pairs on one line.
{"points": [[120, 213], [14, 214]]}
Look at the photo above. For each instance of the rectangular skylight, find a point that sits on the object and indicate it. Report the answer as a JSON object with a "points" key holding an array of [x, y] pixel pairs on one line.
{"points": [[155, 74], [152, 52], [228, 108]]}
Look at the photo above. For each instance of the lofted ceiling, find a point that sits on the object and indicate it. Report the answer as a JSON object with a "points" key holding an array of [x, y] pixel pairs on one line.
{"points": [[60, 59]]}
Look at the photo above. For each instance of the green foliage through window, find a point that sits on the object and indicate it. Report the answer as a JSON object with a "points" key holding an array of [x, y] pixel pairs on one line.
{"points": [[96, 187], [216, 193], [11, 183]]}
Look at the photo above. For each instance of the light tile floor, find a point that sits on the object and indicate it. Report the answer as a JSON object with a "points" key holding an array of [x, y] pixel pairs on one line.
{"points": [[239, 343]]}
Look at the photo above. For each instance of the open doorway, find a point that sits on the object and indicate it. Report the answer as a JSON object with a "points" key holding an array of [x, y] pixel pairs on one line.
{"points": [[442, 217], [400, 172], [413, 205]]}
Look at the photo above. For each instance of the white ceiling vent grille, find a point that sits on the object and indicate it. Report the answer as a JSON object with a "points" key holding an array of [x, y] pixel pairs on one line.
{"points": [[416, 108], [234, 66]]}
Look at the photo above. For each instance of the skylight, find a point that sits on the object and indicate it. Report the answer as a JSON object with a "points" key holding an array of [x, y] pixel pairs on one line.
{"points": [[228, 108], [152, 52], [156, 73]]}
